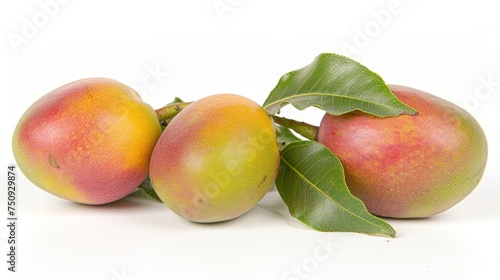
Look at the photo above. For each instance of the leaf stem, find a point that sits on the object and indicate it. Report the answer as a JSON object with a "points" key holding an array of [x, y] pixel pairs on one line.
{"points": [[146, 190], [309, 131], [168, 112]]}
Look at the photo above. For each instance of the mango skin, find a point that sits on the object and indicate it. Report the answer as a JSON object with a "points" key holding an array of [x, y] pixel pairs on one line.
{"points": [[216, 159], [409, 166], [89, 141]]}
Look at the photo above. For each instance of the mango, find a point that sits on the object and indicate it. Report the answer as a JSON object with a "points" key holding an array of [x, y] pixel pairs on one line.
{"points": [[409, 166], [216, 159], [89, 141]]}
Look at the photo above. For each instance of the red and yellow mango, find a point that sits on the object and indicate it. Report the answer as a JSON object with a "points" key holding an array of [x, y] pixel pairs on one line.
{"points": [[89, 141]]}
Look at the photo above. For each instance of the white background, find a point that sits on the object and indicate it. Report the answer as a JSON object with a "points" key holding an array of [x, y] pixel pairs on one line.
{"points": [[192, 49]]}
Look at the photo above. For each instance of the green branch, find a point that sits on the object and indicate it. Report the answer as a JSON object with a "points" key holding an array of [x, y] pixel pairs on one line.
{"points": [[168, 112], [309, 131]]}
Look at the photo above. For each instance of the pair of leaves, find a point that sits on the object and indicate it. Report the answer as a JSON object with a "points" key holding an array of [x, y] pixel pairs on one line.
{"points": [[311, 178]]}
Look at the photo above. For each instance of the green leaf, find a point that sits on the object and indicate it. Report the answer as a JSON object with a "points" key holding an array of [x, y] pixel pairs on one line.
{"points": [[311, 183], [337, 85], [177, 100], [145, 190], [285, 136]]}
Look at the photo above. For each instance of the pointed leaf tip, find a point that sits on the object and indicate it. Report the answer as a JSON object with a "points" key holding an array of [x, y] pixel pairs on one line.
{"points": [[311, 183]]}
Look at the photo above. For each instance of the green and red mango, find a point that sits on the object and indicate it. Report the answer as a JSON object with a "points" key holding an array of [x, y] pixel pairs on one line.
{"points": [[409, 166], [216, 159]]}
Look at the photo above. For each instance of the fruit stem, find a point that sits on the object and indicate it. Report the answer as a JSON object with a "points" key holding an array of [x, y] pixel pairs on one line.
{"points": [[309, 131], [169, 111]]}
